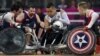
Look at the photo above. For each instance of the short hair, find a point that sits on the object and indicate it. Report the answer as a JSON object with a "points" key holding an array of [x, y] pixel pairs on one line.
{"points": [[30, 6], [50, 5], [84, 5], [16, 6]]}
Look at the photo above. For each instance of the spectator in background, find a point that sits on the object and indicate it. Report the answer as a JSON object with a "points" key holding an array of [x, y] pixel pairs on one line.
{"points": [[39, 29], [62, 5], [73, 4]]}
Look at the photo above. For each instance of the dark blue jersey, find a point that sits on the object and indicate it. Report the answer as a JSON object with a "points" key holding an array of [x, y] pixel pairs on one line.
{"points": [[29, 21]]}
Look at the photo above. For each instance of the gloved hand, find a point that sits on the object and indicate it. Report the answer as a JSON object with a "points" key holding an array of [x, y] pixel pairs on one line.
{"points": [[85, 28]]}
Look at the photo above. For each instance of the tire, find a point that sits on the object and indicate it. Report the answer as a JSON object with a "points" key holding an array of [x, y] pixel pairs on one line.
{"points": [[87, 49], [12, 41]]}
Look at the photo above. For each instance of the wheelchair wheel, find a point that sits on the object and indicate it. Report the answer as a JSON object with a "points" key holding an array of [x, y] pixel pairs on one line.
{"points": [[12, 41], [81, 42]]}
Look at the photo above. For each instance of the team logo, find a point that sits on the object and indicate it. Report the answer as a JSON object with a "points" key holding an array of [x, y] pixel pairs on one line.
{"points": [[81, 42]]}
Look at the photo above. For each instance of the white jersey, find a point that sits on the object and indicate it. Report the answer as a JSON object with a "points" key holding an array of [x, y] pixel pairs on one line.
{"points": [[8, 17], [62, 16]]}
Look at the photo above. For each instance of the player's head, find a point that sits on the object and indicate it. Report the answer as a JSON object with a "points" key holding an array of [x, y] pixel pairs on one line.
{"points": [[39, 10], [31, 10], [51, 10], [17, 8], [82, 7]]}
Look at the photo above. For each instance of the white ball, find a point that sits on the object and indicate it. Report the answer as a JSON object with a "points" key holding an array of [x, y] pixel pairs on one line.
{"points": [[58, 23]]}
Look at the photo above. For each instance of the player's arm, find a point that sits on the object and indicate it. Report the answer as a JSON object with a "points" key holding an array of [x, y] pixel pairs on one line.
{"points": [[38, 18], [46, 22], [8, 18], [65, 18], [39, 21], [20, 17], [94, 17]]}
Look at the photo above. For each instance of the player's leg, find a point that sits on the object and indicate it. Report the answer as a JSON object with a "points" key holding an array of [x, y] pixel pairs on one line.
{"points": [[28, 38]]}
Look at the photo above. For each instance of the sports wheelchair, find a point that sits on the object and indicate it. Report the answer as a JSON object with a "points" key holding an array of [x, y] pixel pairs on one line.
{"points": [[57, 38]]}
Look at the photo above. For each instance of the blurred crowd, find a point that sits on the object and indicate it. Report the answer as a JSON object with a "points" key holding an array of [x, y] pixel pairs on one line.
{"points": [[43, 3], [67, 5]]}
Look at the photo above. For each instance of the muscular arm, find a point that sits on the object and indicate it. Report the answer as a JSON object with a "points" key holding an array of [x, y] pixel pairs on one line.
{"points": [[39, 21], [94, 17], [46, 23], [20, 17], [38, 18]]}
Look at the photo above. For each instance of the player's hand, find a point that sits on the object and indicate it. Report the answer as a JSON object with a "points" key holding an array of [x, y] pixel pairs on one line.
{"points": [[18, 25], [42, 24], [85, 29]]}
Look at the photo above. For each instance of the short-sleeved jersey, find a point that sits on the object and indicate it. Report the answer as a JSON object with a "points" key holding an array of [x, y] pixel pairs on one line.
{"points": [[29, 21]]}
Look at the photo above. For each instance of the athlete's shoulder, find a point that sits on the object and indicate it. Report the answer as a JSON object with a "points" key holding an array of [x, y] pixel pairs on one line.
{"points": [[63, 11], [90, 13], [25, 12], [9, 14], [60, 10]]}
